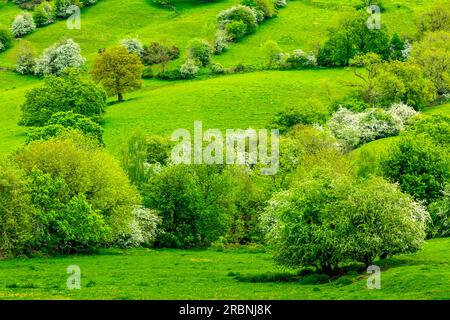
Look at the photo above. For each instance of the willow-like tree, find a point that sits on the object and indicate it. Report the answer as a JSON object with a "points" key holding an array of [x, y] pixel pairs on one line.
{"points": [[118, 71]]}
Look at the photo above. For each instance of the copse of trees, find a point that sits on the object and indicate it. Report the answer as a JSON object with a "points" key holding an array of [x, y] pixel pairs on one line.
{"points": [[118, 71]]}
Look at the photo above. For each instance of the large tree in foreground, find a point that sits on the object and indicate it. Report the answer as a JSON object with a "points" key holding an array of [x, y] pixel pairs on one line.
{"points": [[119, 71]]}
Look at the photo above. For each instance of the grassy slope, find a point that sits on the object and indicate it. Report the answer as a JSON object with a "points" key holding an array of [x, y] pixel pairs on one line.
{"points": [[189, 274]]}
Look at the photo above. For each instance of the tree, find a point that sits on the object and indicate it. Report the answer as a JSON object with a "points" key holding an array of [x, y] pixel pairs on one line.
{"points": [[421, 167], [241, 16], [44, 14], [25, 58], [432, 54], [158, 53], [133, 46], [60, 94], [23, 24], [437, 19], [59, 57], [118, 71]]}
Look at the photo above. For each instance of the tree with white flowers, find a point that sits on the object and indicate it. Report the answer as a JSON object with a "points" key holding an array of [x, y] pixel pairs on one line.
{"points": [[23, 24]]}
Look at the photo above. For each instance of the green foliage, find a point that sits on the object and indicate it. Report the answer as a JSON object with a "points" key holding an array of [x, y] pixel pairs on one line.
{"points": [[264, 8], [272, 51], [397, 48], [62, 94], [200, 50], [440, 215], [5, 39], [436, 19], [63, 121], [421, 167], [192, 202], [351, 38], [238, 21], [157, 53], [309, 113], [327, 218], [16, 211], [82, 196], [26, 58], [44, 13], [118, 71]]}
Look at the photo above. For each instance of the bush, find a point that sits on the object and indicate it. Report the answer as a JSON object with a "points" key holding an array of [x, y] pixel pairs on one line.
{"points": [[133, 46], [25, 58], [171, 75], [64, 121], [189, 69], [192, 204], [61, 94], [5, 39], [353, 129], [23, 24], [421, 167], [16, 211], [83, 197], [243, 19], [310, 114], [300, 59], [200, 50], [217, 68], [327, 218], [44, 14], [59, 57], [440, 215], [62, 7], [142, 230]]}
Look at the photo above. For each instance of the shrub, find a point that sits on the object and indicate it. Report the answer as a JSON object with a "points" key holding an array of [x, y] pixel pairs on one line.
{"points": [[263, 8], [200, 50], [25, 58], [189, 69], [354, 129], [62, 7], [59, 57], [171, 75], [272, 52], [419, 166], [307, 114], [326, 219], [16, 211], [280, 3], [158, 53], [436, 19], [23, 24], [5, 39], [300, 59], [83, 197], [133, 46], [44, 14], [61, 94], [236, 29]]}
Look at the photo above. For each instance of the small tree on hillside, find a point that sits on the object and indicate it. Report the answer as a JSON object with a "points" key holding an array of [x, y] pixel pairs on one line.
{"points": [[119, 71]]}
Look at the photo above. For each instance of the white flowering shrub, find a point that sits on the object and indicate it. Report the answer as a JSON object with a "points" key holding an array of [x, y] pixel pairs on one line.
{"points": [[355, 128], [133, 46], [2, 46], [142, 230], [407, 51], [23, 24], [301, 59], [25, 58], [60, 56], [189, 69]]}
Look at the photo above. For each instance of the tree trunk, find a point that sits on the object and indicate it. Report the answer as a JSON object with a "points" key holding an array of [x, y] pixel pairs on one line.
{"points": [[120, 97]]}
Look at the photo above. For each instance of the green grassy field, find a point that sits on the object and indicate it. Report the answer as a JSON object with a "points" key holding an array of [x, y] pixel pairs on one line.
{"points": [[190, 274]]}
